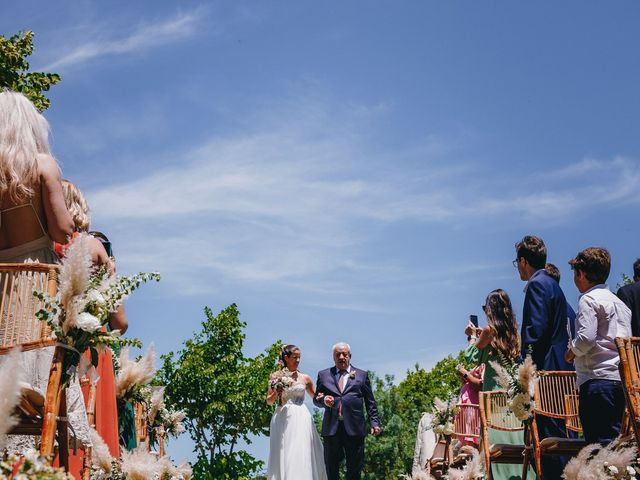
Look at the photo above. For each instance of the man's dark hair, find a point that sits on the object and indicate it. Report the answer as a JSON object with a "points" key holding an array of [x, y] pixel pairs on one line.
{"points": [[533, 250], [595, 262], [553, 271], [636, 270]]}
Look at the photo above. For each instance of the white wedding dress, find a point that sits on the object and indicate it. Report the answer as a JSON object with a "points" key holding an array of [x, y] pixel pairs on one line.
{"points": [[295, 450]]}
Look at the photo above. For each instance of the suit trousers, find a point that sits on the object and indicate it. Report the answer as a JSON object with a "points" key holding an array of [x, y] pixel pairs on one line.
{"points": [[601, 409], [340, 446]]}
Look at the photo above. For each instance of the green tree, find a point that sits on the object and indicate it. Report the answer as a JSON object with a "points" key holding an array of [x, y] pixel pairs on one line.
{"points": [[14, 70], [223, 394]]}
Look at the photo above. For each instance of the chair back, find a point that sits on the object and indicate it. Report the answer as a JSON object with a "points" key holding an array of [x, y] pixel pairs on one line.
{"points": [[142, 431], [18, 306], [467, 421], [629, 350], [556, 397], [494, 412]]}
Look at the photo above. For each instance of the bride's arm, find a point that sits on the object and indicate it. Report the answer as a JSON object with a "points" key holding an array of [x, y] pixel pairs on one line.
{"points": [[272, 396], [310, 390]]}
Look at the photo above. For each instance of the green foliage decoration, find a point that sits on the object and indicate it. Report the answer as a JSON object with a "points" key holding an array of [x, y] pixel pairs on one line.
{"points": [[222, 393], [14, 70]]}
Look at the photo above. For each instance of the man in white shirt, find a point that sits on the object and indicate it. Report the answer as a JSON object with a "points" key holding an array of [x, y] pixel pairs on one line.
{"points": [[601, 318]]}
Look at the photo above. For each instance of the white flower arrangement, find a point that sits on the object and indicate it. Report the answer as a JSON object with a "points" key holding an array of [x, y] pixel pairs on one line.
{"points": [[30, 466], [519, 380], [86, 298], [443, 415]]}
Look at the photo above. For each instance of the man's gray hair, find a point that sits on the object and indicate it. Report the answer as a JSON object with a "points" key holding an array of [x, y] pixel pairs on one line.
{"points": [[340, 344]]}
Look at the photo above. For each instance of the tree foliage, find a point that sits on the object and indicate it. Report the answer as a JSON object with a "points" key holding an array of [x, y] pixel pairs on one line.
{"points": [[401, 407], [222, 393], [14, 70]]}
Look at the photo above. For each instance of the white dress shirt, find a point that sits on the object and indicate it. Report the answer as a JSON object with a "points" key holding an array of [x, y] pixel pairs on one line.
{"points": [[600, 319]]}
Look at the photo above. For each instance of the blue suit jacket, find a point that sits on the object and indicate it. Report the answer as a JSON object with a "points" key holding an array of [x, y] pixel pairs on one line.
{"points": [[544, 323], [356, 396]]}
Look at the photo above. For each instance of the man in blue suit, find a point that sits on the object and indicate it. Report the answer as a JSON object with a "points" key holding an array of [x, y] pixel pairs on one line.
{"points": [[544, 330], [344, 392]]}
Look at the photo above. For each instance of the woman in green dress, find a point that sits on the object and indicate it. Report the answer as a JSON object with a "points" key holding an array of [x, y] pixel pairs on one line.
{"points": [[500, 336]]}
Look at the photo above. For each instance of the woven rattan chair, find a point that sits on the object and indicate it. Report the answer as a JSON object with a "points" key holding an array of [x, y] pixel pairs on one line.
{"points": [[556, 397], [466, 426], [494, 414], [20, 328], [629, 350], [142, 427]]}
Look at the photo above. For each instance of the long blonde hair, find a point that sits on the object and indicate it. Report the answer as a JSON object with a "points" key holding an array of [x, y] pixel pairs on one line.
{"points": [[77, 206], [24, 134]]}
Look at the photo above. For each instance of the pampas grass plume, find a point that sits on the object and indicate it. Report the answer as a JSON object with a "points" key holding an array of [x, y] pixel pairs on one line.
{"points": [[10, 391], [100, 455], [501, 374], [134, 373], [527, 375], [75, 269], [157, 402], [140, 464]]}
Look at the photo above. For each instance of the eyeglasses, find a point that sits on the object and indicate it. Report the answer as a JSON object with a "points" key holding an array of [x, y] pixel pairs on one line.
{"points": [[515, 262], [484, 308]]}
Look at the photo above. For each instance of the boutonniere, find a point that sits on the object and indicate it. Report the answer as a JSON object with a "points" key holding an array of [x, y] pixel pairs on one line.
{"points": [[352, 374]]}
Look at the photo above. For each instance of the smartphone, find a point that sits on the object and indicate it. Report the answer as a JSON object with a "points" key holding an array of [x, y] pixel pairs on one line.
{"points": [[474, 319]]}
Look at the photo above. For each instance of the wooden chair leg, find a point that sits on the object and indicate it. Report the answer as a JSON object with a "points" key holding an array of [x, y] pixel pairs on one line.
{"points": [[63, 433], [86, 464], [52, 404]]}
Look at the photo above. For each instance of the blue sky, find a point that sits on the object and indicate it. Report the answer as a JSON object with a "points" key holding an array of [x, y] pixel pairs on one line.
{"points": [[353, 171]]}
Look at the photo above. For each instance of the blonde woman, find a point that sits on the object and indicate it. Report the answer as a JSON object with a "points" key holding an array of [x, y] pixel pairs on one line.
{"points": [[32, 215], [32, 209]]}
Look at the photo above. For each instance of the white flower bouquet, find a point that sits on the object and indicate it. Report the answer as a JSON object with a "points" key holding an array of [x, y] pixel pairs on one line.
{"points": [[519, 380], [281, 379], [86, 298], [444, 413]]}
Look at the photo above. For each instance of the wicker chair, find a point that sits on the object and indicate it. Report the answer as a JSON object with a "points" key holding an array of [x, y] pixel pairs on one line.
{"points": [[142, 428], [466, 425], [20, 328], [87, 460], [629, 350], [556, 397], [494, 414]]}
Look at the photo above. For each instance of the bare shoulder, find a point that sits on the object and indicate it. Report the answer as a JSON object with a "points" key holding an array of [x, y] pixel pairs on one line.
{"points": [[48, 167], [306, 378]]}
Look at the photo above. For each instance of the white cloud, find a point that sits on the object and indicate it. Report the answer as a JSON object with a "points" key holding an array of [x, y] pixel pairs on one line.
{"points": [[298, 200], [143, 37]]}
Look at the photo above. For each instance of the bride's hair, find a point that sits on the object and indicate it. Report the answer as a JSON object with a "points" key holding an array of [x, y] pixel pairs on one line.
{"points": [[24, 134], [286, 352]]}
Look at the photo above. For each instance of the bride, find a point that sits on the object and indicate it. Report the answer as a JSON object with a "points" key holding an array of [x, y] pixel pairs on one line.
{"points": [[295, 451]]}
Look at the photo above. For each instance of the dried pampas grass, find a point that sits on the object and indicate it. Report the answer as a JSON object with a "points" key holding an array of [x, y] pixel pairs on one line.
{"points": [[100, 455], [156, 402], [502, 376], [473, 470], [75, 269], [593, 461], [416, 476], [10, 391], [140, 464], [134, 373], [527, 376]]}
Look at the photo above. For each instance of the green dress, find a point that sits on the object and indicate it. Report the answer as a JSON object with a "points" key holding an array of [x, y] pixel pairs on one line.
{"points": [[500, 471]]}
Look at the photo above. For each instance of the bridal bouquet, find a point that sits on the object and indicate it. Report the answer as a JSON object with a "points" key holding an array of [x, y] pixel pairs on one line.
{"points": [[519, 380], [444, 413], [85, 300], [281, 379]]}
